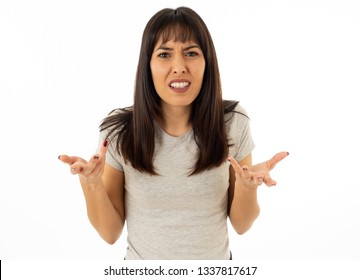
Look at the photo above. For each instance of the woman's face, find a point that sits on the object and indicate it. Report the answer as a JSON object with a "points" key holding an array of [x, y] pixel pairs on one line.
{"points": [[177, 71]]}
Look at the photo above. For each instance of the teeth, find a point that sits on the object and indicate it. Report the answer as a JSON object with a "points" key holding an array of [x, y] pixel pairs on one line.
{"points": [[179, 85]]}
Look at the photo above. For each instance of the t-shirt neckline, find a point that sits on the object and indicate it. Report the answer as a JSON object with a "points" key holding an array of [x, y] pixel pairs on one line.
{"points": [[162, 132]]}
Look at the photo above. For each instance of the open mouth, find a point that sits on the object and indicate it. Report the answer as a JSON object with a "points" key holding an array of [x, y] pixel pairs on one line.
{"points": [[179, 85]]}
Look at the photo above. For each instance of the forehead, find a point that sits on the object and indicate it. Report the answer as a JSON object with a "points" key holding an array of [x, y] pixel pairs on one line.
{"points": [[176, 33], [173, 44]]}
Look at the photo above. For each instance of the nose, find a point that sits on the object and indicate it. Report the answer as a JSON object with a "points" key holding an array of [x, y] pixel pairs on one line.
{"points": [[179, 65]]}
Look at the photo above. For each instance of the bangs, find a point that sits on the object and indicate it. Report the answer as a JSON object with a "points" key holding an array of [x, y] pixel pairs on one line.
{"points": [[179, 32]]}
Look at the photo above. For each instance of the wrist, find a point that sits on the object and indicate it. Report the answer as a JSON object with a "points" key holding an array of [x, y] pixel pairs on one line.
{"points": [[91, 183], [246, 188]]}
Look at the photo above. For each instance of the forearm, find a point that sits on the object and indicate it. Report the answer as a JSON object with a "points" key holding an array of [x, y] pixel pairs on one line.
{"points": [[106, 219], [244, 209]]}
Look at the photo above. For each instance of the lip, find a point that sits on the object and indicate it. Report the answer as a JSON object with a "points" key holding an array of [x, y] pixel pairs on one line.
{"points": [[180, 81]]}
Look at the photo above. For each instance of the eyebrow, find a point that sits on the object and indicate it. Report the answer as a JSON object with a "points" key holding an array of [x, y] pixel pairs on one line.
{"points": [[162, 47]]}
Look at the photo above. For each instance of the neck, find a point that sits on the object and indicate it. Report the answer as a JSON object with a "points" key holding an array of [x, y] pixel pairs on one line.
{"points": [[175, 120]]}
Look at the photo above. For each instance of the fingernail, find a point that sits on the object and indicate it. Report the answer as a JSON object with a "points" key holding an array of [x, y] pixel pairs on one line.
{"points": [[105, 143], [288, 153], [96, 157], [59, 157]]}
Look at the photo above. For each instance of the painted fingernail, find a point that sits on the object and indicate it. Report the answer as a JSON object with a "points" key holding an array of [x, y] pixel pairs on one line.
{"points": [[288, 153], [105, 143], [96, 157], [59, 157], [245, 169]]}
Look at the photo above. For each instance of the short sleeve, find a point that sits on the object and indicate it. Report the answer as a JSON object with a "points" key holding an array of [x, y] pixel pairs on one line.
{"points": [[240, 134], [112, 156]]}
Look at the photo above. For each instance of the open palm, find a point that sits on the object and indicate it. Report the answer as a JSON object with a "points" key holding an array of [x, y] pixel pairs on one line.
{"points": [[252, 176]]}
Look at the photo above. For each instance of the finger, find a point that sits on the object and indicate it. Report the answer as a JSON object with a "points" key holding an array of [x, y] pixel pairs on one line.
{"points": [[70, 159], [77, 168], [98, 169], [74, 171], [92, 164], [257, 178], [104, 148], [269, 181], [276, 159], [246, 174], [238, 169]]}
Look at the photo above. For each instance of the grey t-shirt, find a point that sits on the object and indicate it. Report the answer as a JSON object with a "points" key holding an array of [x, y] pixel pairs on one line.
{"points": [[174, 215]]}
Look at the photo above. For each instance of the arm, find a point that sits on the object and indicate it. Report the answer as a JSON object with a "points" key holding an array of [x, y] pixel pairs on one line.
{"points": [[103, 188], [245, 178], [243, 203], [105, 204]]}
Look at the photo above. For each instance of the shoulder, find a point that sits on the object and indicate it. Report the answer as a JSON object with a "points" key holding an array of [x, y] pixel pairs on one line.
{"points": [[237, 123], [118, 117], [114, 128], [239, 133], [120, 112], [116, 123], [234, 113]]}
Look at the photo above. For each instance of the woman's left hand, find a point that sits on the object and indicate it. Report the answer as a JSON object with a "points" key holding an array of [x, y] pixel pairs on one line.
{"points": [[254, 176]]}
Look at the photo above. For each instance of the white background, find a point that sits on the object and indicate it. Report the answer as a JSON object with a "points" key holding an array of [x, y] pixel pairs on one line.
{"points": [[294, 65]]}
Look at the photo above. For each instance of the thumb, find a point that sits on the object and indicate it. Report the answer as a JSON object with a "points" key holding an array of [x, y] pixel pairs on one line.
{"points": [[277, 158], [70, 159]]}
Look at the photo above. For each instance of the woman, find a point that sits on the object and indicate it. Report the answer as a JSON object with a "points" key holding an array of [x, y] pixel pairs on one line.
{"points": [[163, 165]]}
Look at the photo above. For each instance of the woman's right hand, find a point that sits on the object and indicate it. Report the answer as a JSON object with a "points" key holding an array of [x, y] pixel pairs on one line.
{"points": [[91, 171]]}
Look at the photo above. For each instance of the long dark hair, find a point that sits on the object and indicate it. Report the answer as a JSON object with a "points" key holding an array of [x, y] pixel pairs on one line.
{"points": [[133, 127]]}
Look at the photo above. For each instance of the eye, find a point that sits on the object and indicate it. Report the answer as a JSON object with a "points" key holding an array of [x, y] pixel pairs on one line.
{"points": [[164, 55], [191, 54]]}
